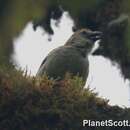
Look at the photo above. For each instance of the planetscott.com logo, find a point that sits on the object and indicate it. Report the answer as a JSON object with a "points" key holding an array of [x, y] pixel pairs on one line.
{"points": [[104, 123]]}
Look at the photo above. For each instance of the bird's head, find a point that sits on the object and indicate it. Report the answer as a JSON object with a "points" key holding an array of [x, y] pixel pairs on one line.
{"points": [[84, 40]]}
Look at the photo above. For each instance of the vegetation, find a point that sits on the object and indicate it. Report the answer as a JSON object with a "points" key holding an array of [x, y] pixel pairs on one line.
{"points": [[34, 103], [39, 103]]}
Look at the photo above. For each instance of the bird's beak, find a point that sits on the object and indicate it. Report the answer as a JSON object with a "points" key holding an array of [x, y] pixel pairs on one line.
{"points": [[96, 35]]}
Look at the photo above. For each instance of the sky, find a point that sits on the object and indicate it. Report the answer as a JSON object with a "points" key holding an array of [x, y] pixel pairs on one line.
{"points": [[31, 47]]}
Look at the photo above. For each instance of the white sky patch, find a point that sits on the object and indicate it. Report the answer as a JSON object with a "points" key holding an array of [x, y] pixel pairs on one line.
{"points": [[106, 79], [33, 46]]}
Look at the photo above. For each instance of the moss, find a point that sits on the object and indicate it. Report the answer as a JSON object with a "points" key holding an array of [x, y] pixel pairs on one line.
{"points": [[37, 103]]}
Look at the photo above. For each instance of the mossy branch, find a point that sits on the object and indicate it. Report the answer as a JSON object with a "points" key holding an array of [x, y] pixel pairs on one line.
{"points": [[38, 103]]}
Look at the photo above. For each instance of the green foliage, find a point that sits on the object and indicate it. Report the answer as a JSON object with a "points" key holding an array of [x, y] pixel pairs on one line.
{"points": [[14, 15], [127, 38], [126, 9], [77, 6], [39, 103]]}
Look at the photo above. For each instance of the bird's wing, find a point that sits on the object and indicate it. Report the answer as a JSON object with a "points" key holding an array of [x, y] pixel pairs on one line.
{"points": [[43, 61], [47, 58], [42, 66]]}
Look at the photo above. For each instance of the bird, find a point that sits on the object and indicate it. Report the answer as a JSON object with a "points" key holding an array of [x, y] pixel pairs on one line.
{"points": [[72, 57]]}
